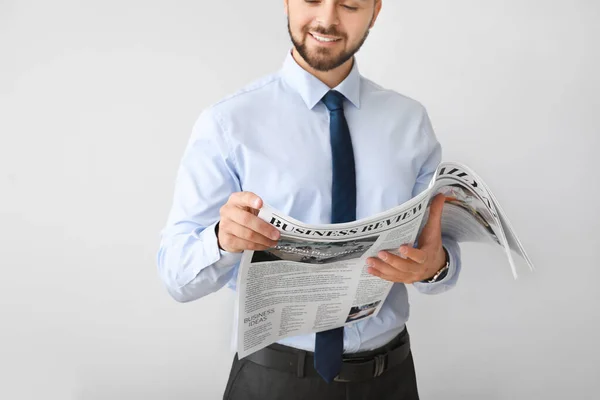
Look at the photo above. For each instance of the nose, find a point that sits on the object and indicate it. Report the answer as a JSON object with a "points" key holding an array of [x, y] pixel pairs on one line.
{"points": [[328, 14]]}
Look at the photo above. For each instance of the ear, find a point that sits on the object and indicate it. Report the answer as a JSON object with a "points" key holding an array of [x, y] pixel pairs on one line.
{"points": [[376, 13], [285, 7]]}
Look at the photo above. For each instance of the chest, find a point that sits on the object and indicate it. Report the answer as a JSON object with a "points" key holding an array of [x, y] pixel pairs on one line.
{"points": [[287, 161]]}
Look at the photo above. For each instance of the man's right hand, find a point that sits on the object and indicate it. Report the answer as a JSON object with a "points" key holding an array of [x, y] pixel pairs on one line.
{"points": [[240, 229]]}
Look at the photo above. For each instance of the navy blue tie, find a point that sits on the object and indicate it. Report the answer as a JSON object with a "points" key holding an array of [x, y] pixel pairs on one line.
{"points": [[329, 345]]}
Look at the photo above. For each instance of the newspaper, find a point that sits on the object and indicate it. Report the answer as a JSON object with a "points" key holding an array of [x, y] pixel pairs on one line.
{"points": [[316, 278]]}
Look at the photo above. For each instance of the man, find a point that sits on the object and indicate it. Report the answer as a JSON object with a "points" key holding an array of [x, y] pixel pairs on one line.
{"points": [[323, 144]]}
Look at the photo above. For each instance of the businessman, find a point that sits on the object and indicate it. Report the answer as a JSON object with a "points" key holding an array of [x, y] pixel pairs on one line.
{"points": [[323, 144]]}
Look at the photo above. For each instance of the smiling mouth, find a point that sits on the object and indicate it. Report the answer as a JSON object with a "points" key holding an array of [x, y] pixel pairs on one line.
{"points": [[325, 39]]}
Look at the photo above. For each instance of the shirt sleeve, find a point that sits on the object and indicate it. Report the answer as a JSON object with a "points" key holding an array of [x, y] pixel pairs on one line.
{"points": [[190, 262], [429, 157]]}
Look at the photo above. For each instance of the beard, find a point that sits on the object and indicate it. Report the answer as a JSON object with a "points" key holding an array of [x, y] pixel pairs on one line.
{"points": [[324, 59]]}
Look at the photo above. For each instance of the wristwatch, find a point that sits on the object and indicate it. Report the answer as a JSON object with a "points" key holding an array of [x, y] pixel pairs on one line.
{"points": [[441, 274]]}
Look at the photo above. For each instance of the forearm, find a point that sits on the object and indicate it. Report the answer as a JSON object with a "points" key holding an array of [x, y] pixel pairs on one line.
{"points": [[191, 265]]}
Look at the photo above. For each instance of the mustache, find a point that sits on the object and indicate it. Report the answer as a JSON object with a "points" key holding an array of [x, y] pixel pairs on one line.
{"points": [[330, 31]]}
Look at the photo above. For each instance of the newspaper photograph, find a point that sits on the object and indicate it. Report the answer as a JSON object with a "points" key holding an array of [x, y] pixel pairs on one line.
{"points": [[316, 279], [315, 252]]}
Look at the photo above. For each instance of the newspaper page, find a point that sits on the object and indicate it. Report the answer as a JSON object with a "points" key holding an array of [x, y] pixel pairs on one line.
{"points": [[472, 213], [315, 279]]}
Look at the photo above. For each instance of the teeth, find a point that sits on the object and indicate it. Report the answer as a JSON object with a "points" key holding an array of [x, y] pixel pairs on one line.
{"points": [[323, 39]]}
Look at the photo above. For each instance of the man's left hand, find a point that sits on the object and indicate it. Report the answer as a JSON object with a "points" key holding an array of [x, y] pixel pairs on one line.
{"points": [[421, 263]]}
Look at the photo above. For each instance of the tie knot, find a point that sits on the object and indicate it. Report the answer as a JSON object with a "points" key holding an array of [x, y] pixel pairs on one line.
{"points": [[334, 100]]}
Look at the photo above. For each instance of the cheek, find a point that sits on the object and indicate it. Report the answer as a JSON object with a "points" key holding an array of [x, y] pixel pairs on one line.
{"points": [[299, 20], [298, 28], [305, 25], [355, 30]]}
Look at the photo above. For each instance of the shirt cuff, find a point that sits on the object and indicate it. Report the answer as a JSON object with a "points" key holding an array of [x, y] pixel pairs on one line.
{"points": [[207, 254], [224, 258]]}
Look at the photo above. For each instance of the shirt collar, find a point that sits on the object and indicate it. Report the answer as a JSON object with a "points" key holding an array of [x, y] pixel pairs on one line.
{"points": [[312, 90]]}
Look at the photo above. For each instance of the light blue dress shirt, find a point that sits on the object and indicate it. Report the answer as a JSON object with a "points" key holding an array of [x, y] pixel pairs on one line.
{"points": [[272, 138]]}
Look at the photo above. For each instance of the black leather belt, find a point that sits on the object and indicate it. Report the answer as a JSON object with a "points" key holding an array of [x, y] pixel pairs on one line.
{"points": [[355, 367]]}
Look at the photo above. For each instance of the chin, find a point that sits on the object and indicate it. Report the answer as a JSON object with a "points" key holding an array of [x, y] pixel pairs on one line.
{"points": [[324, 56]]}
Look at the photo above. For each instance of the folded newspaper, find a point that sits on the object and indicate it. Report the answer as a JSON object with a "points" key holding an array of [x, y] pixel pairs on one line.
{"points": [[316, 277]]}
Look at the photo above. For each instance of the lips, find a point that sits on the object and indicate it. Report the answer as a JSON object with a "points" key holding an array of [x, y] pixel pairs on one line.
{"points": [[325, 39]]}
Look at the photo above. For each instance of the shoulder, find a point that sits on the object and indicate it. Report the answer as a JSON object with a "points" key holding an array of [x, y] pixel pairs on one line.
{"points": [[389, 98], [251, 96]]}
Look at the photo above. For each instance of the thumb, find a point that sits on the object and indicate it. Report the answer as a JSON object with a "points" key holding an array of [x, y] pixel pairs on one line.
{"points": [[433, 227]]}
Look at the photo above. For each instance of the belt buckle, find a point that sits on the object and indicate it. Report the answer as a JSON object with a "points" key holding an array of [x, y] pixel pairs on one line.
{"points": [[338, 379], [379, 365], [379, 368]]}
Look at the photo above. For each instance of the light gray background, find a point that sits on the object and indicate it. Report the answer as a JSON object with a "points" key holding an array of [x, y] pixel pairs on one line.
{"points": [[97, 101]]}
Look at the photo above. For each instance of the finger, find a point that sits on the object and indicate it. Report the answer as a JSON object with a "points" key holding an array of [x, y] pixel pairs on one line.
{"points": [[392, 275], [251, 221], [235, 244], [245, 199], [399, 263], [248, 234], [417, 255], [383, 267]]}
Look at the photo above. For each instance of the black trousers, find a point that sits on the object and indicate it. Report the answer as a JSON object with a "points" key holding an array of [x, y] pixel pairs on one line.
{"points": [[250, 381]]}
